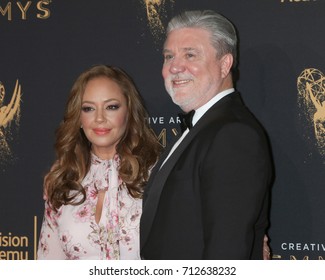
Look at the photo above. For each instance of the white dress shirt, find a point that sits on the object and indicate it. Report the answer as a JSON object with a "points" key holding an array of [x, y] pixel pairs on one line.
{"points": [[197, 115]]}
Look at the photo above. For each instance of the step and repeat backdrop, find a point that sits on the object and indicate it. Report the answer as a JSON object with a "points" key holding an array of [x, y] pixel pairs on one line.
{"points": [[45, 45]]}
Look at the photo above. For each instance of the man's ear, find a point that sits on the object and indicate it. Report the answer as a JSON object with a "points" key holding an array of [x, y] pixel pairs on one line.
{"points": [[226, 64]]}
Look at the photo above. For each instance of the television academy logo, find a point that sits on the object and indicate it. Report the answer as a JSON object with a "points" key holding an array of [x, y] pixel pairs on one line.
{"points": [[156, 11], [311, 100], [9, 114]]}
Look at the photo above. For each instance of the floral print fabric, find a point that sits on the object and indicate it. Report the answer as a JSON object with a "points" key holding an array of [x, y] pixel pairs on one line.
{"points": [[73, 233]]}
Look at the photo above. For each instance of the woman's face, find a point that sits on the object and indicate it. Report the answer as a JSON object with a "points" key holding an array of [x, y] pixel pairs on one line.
{"points": [[104, 115]]}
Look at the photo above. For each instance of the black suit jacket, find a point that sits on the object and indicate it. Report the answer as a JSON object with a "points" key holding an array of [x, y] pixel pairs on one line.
{"points": [[210, 199]]}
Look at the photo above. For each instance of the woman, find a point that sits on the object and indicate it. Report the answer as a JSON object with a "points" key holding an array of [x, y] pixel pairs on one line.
{"points": [[105, 150]]}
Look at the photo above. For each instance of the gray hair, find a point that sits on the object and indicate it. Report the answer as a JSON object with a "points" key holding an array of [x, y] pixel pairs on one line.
{"points": [[223, 32]]}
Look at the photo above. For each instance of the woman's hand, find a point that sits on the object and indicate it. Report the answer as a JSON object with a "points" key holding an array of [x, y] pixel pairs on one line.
{"points": [[266, 249]]}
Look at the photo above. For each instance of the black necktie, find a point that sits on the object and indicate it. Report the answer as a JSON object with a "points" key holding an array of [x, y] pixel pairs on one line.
{"points": [[186, 120]]}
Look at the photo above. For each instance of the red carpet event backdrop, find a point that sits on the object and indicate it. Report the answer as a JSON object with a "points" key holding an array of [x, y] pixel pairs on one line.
{"points": [[46, 44]]}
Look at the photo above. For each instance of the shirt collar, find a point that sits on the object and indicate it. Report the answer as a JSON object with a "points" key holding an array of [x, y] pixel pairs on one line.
{"points": [[203, 109]]}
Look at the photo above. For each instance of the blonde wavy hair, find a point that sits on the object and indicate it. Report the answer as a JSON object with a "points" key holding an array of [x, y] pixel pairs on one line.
{"points": [[138, 148]]}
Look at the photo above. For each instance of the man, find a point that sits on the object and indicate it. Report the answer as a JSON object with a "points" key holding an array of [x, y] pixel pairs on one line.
{"points": [[208, 197]]}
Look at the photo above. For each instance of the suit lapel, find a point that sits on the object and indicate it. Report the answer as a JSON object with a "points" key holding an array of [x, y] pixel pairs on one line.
{"points": [[159, 177]]}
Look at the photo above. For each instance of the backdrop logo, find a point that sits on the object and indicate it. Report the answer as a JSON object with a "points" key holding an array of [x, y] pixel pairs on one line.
{"points": [[311, 99], [18, 10], [9, 114], [164, 128], [156, 14], [17, 247], [301, 250], [13, 247]]}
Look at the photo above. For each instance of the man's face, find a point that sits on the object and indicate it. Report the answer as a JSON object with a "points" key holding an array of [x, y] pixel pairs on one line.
{"points": [[192, 72]]}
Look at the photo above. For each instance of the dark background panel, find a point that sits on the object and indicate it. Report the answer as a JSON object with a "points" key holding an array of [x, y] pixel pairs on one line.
{"points": [[279, 39]]}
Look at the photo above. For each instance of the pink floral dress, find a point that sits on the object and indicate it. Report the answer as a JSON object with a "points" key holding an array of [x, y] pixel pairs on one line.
{"points": [[73, 233]]}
